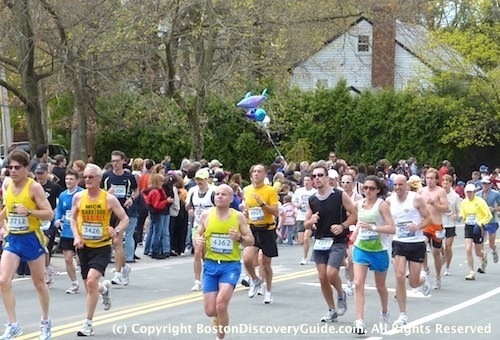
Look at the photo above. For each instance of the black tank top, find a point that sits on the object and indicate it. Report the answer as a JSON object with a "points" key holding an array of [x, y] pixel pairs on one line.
{"points": [[331, 211]]}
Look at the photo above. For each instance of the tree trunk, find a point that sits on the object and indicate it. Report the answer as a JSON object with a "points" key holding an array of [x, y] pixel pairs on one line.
{"points": [[80, 109], [29, 79]]}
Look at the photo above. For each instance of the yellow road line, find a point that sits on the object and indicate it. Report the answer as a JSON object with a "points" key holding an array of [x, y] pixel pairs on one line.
{"points": [[146, 308]]}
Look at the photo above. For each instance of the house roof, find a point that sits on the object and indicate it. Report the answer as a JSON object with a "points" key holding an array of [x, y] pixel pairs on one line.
{"points": [[416, 40]]}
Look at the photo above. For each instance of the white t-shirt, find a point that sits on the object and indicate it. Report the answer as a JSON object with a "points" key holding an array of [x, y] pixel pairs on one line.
{"points": [[301, 196]]}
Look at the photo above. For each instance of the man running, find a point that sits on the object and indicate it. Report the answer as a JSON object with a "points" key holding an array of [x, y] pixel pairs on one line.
{"points": [[261, 203], [25, 205], [327, 212], [450, 220], [300, 200], [93, 236], [221, 231], [492, 198], [408, 246]]}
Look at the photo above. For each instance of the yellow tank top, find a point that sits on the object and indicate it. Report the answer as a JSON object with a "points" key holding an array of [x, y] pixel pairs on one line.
{"points": [[93, 220], [19, 224], [219, 247]]}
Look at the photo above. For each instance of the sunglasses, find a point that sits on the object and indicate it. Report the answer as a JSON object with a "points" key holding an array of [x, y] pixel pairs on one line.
{"points": [[88, 177], [14, 167], [318, 175], [39, 173], [370, 188], [346, 182]]}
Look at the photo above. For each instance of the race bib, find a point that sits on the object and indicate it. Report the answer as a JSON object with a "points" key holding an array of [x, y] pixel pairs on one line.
{"points": [[440, 234], [323, 244], [402, 230], [366, 234], [91, 231], [18, 223], [221, 243], [67, 215], [119, 191], [46, 225], [471, 219], [256, 214]]}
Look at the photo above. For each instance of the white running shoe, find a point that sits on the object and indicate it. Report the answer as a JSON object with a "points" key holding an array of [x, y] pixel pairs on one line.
{"points": [[349, 289], [268, 297], [401, 321], [118, 279], [49, 276], [85, 330], [495, 257], [359, 327], [437, 283], [383, 322], [330, 316], [197, 286], [73, 289], [342, 304], [447, 272], [45, 330], [106, 297], [254, 287], [11, 331], [304, 262], [262, 290], [126, 273], [425, 288]]}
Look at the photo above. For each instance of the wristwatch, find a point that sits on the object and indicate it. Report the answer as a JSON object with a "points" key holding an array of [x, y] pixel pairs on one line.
{"points": [[262, 204]]}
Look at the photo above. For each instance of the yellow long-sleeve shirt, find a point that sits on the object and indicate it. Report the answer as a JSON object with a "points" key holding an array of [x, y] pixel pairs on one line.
{"points": [[475, 211]]}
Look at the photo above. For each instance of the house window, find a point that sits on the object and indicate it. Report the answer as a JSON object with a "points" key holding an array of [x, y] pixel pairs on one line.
{"points": [[322, 83], [363, 43]]}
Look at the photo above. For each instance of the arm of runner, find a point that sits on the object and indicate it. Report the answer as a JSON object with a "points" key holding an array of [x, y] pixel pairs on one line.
{"points": [[244, 236], [199, 238], [351, 208], [389, 227], [420, 205], [77, 238], [442, 203]]}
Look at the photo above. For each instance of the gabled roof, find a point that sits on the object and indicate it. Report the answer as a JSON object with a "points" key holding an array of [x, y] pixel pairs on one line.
{"points": [[417, 41]]}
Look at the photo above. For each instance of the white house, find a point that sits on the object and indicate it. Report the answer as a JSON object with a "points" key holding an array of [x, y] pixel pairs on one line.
{"points": [[374, 54]]}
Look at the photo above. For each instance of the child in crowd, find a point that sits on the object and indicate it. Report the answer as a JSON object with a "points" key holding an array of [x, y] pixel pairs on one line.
{"points": [[287, 220]]}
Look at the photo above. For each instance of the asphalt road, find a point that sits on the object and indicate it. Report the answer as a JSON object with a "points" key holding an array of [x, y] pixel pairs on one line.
{"points": [[158, 303]]}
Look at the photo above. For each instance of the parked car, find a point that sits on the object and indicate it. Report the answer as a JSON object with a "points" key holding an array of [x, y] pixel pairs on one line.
{"points": [[54, 149]]}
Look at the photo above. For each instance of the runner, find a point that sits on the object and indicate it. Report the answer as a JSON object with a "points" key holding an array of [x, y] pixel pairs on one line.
{"points": [[492, 198], [327, 212], [408, 246], [301, 199], [450, 219], [63, 222], [25, 205], [93, 236], [261, 203], [371, 249], [220, 233], [474, 211]]}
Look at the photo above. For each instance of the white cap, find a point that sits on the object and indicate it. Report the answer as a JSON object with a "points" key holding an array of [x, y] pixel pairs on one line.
{"points": [[332, 173], [470, 187]]}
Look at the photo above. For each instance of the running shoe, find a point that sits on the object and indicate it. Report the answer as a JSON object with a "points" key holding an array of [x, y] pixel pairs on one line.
{"points": [[484, 263], [342, 304], [106, 297], [126, 273], [73, 289], [495, 257], [304, 262], [11, 331], [262, 289], [268, 297], [349, 289], [425, 288], [437, 283], [118, 279], [447, 272], [383, 322], [197, 286], [45, 330], [330, 316], [471, 276], [254, 287], [359, 327], [85, 330], [49, 276], [401, 321]]}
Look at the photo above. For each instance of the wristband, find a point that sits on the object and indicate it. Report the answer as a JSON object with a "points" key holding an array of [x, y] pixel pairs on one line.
{"points": [[262, 204], [374, 227], [29, 212]]}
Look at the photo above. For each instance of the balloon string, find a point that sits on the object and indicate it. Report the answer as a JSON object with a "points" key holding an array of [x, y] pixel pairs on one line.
{"points": [[272, 142]]}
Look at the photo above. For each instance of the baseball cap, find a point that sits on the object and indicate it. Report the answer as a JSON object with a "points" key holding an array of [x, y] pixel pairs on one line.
{"points": [[460, 183], [470, 187], [201, 174], [483, 168], [41, 167], [215, 163], [332, 173], [486, 180], [414, 178]]}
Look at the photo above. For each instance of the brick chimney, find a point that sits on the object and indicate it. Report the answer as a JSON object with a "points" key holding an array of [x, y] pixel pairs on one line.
{"points": [[383, 47]]}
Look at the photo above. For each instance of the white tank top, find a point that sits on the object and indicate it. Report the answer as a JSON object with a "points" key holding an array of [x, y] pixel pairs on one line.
{"points": [[405, 213], [200, 204]]}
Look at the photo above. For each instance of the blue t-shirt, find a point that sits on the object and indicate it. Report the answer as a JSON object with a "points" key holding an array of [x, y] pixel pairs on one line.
{"points": [[63, 211]]}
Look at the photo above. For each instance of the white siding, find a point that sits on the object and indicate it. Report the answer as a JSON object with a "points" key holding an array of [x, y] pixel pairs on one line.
{"points": [[409, 70], [338, 60]]}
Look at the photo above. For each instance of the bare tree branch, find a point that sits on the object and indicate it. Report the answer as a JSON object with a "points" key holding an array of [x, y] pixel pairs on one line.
{"points": [[9, 62], [14, 90]]}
